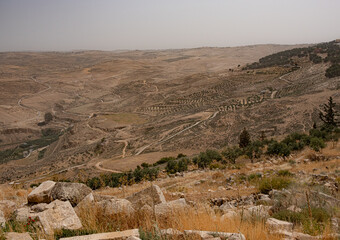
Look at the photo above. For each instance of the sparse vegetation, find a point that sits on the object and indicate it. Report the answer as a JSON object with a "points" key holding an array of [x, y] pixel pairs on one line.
{"points": [[275, 182]]}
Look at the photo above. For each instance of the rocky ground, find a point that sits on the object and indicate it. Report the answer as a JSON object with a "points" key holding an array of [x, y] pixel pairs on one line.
{"points": [[197, 204]]}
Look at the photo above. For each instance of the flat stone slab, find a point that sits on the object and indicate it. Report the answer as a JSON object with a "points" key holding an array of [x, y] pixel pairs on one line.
{"points": [[107, 236], [18, 236]]}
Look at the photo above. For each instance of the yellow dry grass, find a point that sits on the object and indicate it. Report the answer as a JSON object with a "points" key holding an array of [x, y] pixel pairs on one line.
{"points": [[11, 193], [200, 218]]}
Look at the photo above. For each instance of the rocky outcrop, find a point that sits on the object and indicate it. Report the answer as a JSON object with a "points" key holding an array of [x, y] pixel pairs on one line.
{"points": [[41, 194], [150, 196], [116, 206], [72, 192], [107, 236], [18, 236], [59, 215]]}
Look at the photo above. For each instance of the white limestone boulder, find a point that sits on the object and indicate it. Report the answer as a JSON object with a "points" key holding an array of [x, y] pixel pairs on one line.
{"points": [[41, 194]]}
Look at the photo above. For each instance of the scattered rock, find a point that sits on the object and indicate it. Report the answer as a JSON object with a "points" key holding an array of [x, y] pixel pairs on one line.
{"points": [[42, 194], [229, 215], [257, 211], [72, 192], [116, 206], [276, 225], [211, 235], [18, 236], [150, 196], [172, 206], [59, 215], [107, 236], [294, 208], [225, 207], [170, 232], [39, 207]]}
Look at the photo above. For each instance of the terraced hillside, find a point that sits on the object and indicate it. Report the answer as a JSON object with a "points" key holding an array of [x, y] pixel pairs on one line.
{"points": [[114, 110]]}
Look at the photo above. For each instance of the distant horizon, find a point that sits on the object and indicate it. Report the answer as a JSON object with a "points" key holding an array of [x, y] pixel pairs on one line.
{"points": [[160, 49], [115, 25]]}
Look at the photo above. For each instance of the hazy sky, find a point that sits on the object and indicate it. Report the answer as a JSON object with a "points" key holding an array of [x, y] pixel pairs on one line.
{"points": [[158, 24]]}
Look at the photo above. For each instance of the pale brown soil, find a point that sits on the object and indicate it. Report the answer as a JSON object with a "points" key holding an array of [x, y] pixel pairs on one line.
{"points": [[158, 102]]}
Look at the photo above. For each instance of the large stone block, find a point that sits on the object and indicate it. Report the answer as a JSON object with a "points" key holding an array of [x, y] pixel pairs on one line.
{"points": [[59, 215], [42, 194], [72, 192], [150, 196]]}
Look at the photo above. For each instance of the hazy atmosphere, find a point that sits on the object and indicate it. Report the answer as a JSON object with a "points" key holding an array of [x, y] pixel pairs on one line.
{"points": [[40, 25], [169, 120]]}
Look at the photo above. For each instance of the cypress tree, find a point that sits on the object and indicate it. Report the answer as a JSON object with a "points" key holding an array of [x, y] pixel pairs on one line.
{"points": [[244, 138], [328, 113]]}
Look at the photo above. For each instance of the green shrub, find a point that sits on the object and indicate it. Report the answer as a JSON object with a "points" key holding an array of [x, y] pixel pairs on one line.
{"points": [[333, 71], [42, 153], [232, 153], [145, 165], [284, 173], [254, 177], [181, 155], [280, 149], [174, 166], [216, 165], [317, 143], [213, 155], [163, 160], [289, 216], [314, 226], [127, 178], [203, 160], [269, 183], [150, 235]]}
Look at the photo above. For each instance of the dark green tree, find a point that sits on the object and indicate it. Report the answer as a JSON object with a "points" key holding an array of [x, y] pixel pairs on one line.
{"points": [[328, 114], [244, 138], [48, 117], [333, 71]]}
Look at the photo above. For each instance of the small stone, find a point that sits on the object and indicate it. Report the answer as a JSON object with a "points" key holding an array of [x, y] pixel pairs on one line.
{"points": [[39, 207], [294, 208]]}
